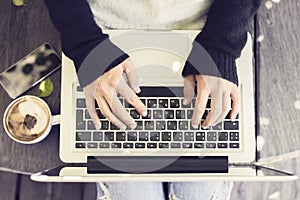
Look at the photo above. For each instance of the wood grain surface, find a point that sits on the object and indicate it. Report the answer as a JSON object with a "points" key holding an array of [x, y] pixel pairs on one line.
{"points": [[23, 29]]}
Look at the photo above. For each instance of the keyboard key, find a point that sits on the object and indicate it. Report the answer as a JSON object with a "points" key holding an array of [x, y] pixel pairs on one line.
{"points": [[217, 126], [116, 145], [199, 145], [80, 125], [132, 136], [189, 114], [121, 100], [205, 114], [187, 145], [79, 115], [134, 114], [193, 103], [160, 125], [108, 136], [183, 125], [92, 145], [87, 115], [80, 103], [152, 103], [79, 89], [200, 136], [222, 136], [90, 125], [163, 145], [100, 115], [83, 136], [171, 125], [175, 145], [185, 106], [169, 114], [163, 103], [139, 145], [188, 136], [127, 145], [120, 136], [151, 145], [210, 145], [154, 136], [228, 116], [80, 145], [177, 136], [222, 145], [143, 136], [103, 145], [149, 125], [231, 125], [113, 127], [97, 136], [234, 145], [211, 136], [148, 116], [234, 136], [104, 125], [139, 125], [166, 136], [180, 114], [143, 101], [157, 114], [174, 103]]}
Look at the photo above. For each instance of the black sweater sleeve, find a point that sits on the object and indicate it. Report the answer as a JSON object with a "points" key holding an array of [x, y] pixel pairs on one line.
{"points": [[224, 36], [80, 35]]}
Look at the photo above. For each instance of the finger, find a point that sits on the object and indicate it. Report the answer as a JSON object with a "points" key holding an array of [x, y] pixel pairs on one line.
{"points": [[125, 91], [132, 76], [201, 101], [235, 96], [105, 110], [118, 109], [215, 111], [90, 104], [225, 107], [188, 90]]}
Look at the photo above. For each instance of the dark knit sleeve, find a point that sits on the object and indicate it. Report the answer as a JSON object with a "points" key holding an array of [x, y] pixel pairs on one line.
{"points": [[82, 38], [223, 37]]}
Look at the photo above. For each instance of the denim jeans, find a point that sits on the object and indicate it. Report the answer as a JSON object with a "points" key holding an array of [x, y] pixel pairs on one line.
{"points": [[208, 190]]}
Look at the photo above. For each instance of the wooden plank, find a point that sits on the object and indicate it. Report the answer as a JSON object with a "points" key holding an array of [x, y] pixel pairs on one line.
{"points": [[30, 190], [90, 191], [8, 184], [22, 30], [74, 191], [280, 74]]}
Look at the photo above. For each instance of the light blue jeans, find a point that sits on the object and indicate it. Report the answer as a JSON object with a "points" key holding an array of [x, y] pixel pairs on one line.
{"points": [[208, 190]]}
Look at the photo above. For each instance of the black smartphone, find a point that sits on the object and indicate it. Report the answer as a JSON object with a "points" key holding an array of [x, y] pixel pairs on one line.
{"points": [[30, 70]]}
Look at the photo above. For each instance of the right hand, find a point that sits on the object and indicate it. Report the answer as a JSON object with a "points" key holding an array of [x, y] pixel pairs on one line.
{"points": [[105, 89]]}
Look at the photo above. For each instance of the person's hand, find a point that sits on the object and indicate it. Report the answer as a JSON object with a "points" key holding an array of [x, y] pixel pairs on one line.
{"points": [[221, 92], [105, 89]]}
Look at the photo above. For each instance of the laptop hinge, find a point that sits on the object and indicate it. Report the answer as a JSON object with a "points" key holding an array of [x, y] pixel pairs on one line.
{"points": [[159, 164]]}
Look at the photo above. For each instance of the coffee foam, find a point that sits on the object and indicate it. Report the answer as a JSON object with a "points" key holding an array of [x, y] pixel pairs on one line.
{"points": [[17, 114]]}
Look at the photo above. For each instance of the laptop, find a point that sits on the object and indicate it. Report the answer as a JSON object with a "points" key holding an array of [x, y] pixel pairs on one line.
{"points": [[163, 146]]}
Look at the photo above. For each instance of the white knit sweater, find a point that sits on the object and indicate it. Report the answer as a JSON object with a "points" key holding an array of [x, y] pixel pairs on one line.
{"points": [[150, 14]]}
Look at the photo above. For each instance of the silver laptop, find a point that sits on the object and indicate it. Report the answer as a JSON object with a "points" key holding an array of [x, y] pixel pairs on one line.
{"points": [[163, 146]]}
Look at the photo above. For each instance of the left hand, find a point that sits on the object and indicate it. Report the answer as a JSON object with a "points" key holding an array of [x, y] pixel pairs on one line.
{"points": [[221, 92]]}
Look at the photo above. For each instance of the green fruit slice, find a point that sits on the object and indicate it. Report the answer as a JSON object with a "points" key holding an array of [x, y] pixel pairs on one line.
{"points": [[46, 88]]}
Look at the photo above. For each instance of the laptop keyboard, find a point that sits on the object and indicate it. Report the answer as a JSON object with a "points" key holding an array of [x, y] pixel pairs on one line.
{"points": [[166, 126]]}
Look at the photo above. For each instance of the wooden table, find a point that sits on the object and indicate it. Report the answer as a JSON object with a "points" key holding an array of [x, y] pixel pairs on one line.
{"points": [[277, 56]]}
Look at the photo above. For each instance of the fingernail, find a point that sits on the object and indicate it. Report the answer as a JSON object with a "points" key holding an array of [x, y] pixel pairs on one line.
{"points": [[144, 113], [98, 125], [122, 127], [184, 102], [138, 90], [204, 127], [133, 126], [195, 126]]}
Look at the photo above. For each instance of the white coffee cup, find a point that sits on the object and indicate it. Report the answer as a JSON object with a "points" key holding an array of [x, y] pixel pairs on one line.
{"points": [[28, 119]]}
